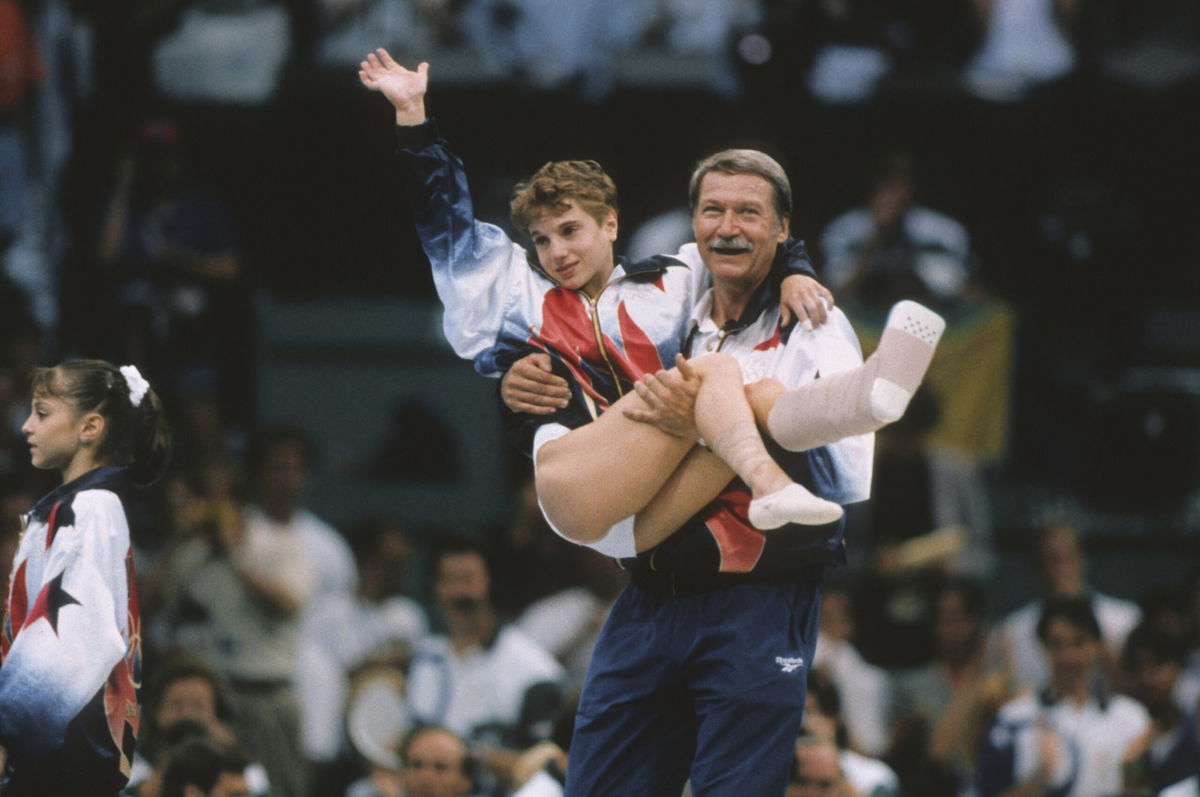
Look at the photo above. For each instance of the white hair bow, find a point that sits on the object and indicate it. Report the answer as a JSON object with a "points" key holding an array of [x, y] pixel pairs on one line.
{"points": [[136, 382]]}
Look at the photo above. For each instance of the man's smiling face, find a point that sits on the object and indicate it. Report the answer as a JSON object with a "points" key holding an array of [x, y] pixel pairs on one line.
{"points": [[737, 228]]}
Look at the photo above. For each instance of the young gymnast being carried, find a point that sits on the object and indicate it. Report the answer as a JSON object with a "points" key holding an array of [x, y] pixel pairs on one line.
{"points": [[606, 323], [71, 643]]}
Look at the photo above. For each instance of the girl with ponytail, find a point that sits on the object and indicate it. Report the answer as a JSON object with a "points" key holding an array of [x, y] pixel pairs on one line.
{"points": [[70, 644]]}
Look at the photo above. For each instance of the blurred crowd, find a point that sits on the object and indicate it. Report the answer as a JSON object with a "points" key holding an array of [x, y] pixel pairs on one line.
{"points": [[368, 656], [380, 658]]}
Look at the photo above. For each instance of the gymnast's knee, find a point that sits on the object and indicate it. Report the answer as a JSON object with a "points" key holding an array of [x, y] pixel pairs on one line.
{"points": [[571, 518], [714, 364]]}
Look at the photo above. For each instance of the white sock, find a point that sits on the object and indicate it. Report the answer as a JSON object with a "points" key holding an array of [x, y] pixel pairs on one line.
{"points": [[792, 504], [865, 398], [742, 449]]}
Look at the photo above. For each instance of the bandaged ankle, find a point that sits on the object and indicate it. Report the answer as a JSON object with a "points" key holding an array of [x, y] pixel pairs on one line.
{"points": [[904, 353], [865, 398], [742, 449]]}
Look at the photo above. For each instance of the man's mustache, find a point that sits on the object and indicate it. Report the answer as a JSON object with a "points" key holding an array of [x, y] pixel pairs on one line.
{"points": [[736, 244]]}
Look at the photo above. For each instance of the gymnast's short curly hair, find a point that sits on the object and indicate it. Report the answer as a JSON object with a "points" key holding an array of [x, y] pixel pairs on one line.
{"points": [[556, 186]]}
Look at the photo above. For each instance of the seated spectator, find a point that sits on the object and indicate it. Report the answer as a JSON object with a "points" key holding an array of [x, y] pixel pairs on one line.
{"points": [[435, 761], [342, 633], [541, 770], [568, 622], [1062, 570], [1170, 757], [185, 698], [894, 248], [482, 679], [205, 769], [147, 778], [1167, 612], [235, 597], [867, 776], [939, 711], [199, 509], [281, 461], [1073, 736], [817, 772], [838, 658]]}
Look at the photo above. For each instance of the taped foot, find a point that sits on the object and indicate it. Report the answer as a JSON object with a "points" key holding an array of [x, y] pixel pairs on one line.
{"points": [[905, 350], [792, 504]]}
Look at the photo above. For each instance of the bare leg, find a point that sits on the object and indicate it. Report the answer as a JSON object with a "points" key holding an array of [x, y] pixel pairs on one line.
{"points": [[610, 469], [726, 421], [861, 399], [605, 471], [699, 479]]}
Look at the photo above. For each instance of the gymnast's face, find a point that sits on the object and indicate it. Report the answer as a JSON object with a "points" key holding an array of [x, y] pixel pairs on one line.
{"points": [[576, 250]]}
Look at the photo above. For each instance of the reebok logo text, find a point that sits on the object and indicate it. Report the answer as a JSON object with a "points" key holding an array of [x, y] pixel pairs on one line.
{"points": [[789, 663]]}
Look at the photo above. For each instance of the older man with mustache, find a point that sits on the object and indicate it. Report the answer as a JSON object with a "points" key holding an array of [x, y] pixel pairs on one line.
{"points": [[701, 670]]}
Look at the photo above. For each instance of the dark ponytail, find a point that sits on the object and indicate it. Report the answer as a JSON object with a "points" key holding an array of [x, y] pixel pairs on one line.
{"points": [[136, 436]]}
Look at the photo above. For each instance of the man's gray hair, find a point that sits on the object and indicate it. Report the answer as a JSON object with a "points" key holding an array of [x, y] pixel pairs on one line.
{"points": [[745, 161]]}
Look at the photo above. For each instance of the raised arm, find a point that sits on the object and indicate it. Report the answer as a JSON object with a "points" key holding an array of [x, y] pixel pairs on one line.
{"points": [[482, 277], [404, 88]]}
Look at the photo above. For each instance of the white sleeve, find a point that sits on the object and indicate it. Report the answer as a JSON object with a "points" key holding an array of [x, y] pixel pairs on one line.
{"points": [[482, 277], [480, 284], [76, 630]]}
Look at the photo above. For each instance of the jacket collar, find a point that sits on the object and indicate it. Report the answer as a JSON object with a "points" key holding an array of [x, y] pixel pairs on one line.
{"points": [[105, 477], [766, 297], [653, 266]]}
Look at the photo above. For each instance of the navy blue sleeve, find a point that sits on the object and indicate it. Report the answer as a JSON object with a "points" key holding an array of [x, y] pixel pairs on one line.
{"points": [[797, 261]]}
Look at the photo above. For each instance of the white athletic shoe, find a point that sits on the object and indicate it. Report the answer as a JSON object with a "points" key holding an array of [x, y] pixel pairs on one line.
{"points": [[792, 504]]}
